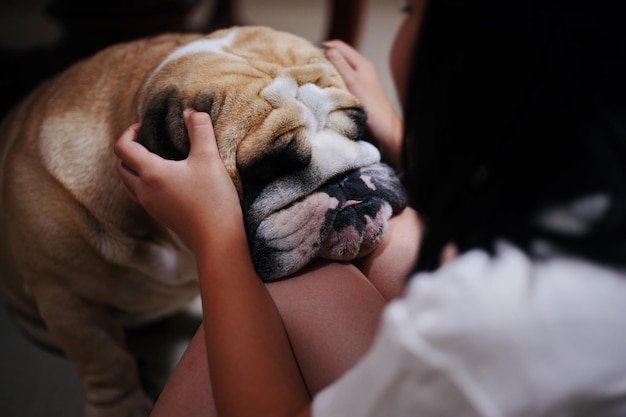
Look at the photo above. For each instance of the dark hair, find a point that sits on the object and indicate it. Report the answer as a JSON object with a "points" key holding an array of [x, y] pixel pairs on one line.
{"points": [[514, 108]]}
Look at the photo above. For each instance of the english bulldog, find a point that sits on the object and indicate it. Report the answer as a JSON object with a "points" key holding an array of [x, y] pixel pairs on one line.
{"points": [[81, 260]]}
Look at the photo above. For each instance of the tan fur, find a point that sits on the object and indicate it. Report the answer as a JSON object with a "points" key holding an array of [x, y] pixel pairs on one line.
{"points": [[78, 254]]}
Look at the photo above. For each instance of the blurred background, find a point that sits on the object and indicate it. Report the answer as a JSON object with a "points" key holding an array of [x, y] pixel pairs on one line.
{"points": [[39, 38]]}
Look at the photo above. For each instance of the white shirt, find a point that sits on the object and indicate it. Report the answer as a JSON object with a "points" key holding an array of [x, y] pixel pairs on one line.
{"points": [[495, 336]]}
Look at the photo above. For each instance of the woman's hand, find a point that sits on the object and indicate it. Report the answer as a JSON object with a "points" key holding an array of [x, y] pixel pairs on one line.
{"points": [[361, 78], [249, 352], [194, 197]]}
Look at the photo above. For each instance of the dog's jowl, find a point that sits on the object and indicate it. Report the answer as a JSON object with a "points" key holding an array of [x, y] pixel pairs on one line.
{"points": [[81, 260]]}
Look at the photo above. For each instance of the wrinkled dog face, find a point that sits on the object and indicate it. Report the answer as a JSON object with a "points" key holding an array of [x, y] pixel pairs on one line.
{"points": [[289, 133]]}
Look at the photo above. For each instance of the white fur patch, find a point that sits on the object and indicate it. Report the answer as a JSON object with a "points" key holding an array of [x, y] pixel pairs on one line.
{"points": [[279, 91], [316, 104], [327, 145], [199, 46]]}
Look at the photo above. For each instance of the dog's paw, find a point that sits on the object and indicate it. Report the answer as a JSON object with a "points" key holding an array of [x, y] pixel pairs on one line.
{"points": [[137, 404]]}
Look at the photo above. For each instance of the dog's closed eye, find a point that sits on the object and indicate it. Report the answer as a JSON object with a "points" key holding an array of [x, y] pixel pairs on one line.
{"points": [[349, 122], [288, 154]]}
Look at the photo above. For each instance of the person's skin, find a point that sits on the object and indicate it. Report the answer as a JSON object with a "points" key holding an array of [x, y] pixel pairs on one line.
{"points": [[270, 347], [330, 311]]}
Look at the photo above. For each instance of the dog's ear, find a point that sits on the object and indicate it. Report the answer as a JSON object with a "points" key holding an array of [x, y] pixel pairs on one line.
{"points": [[209, 100], [163, 128], [359, 117]]}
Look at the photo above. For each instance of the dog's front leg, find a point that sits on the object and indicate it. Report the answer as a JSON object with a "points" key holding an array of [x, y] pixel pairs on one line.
{"points": [[94, 343]]}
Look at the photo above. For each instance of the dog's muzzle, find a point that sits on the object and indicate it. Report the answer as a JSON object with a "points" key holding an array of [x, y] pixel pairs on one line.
{"points": [[343, 219]]}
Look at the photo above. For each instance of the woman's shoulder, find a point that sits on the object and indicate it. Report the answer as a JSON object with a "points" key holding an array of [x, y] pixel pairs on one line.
{"points": [[545, 327], [482, 293], [512, 279]]}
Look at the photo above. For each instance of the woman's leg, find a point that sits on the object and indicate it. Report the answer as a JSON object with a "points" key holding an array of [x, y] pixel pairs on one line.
{"points": [[390, 264], [331, 312]]}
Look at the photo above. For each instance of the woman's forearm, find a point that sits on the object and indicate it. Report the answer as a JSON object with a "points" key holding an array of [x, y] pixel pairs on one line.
{"points": [[252, 367]]}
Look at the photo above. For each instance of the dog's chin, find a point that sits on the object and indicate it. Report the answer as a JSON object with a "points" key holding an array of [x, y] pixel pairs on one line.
{"points": [[318, 226], [343, 220], [362, 234]]}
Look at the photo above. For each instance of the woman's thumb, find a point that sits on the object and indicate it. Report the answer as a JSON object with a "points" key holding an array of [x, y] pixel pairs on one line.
{"points": [[200, 130]]}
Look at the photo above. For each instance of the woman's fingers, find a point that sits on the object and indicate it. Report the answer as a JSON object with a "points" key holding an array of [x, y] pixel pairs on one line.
{"points": [[132, 154], [128, 163], [140, 169], [337, 59], [357, 71], [347, 52], [130, 180], [201, 134]]}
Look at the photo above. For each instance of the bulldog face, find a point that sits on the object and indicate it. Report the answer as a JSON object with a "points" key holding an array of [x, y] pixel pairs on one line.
{"points": [[290, 135]]}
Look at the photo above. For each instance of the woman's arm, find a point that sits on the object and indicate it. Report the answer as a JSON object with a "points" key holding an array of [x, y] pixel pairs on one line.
{"points": [[253, 368]]}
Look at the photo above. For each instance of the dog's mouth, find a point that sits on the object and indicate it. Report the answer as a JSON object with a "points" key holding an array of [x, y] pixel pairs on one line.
{"points": [[367, 199], [343, 219]]}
